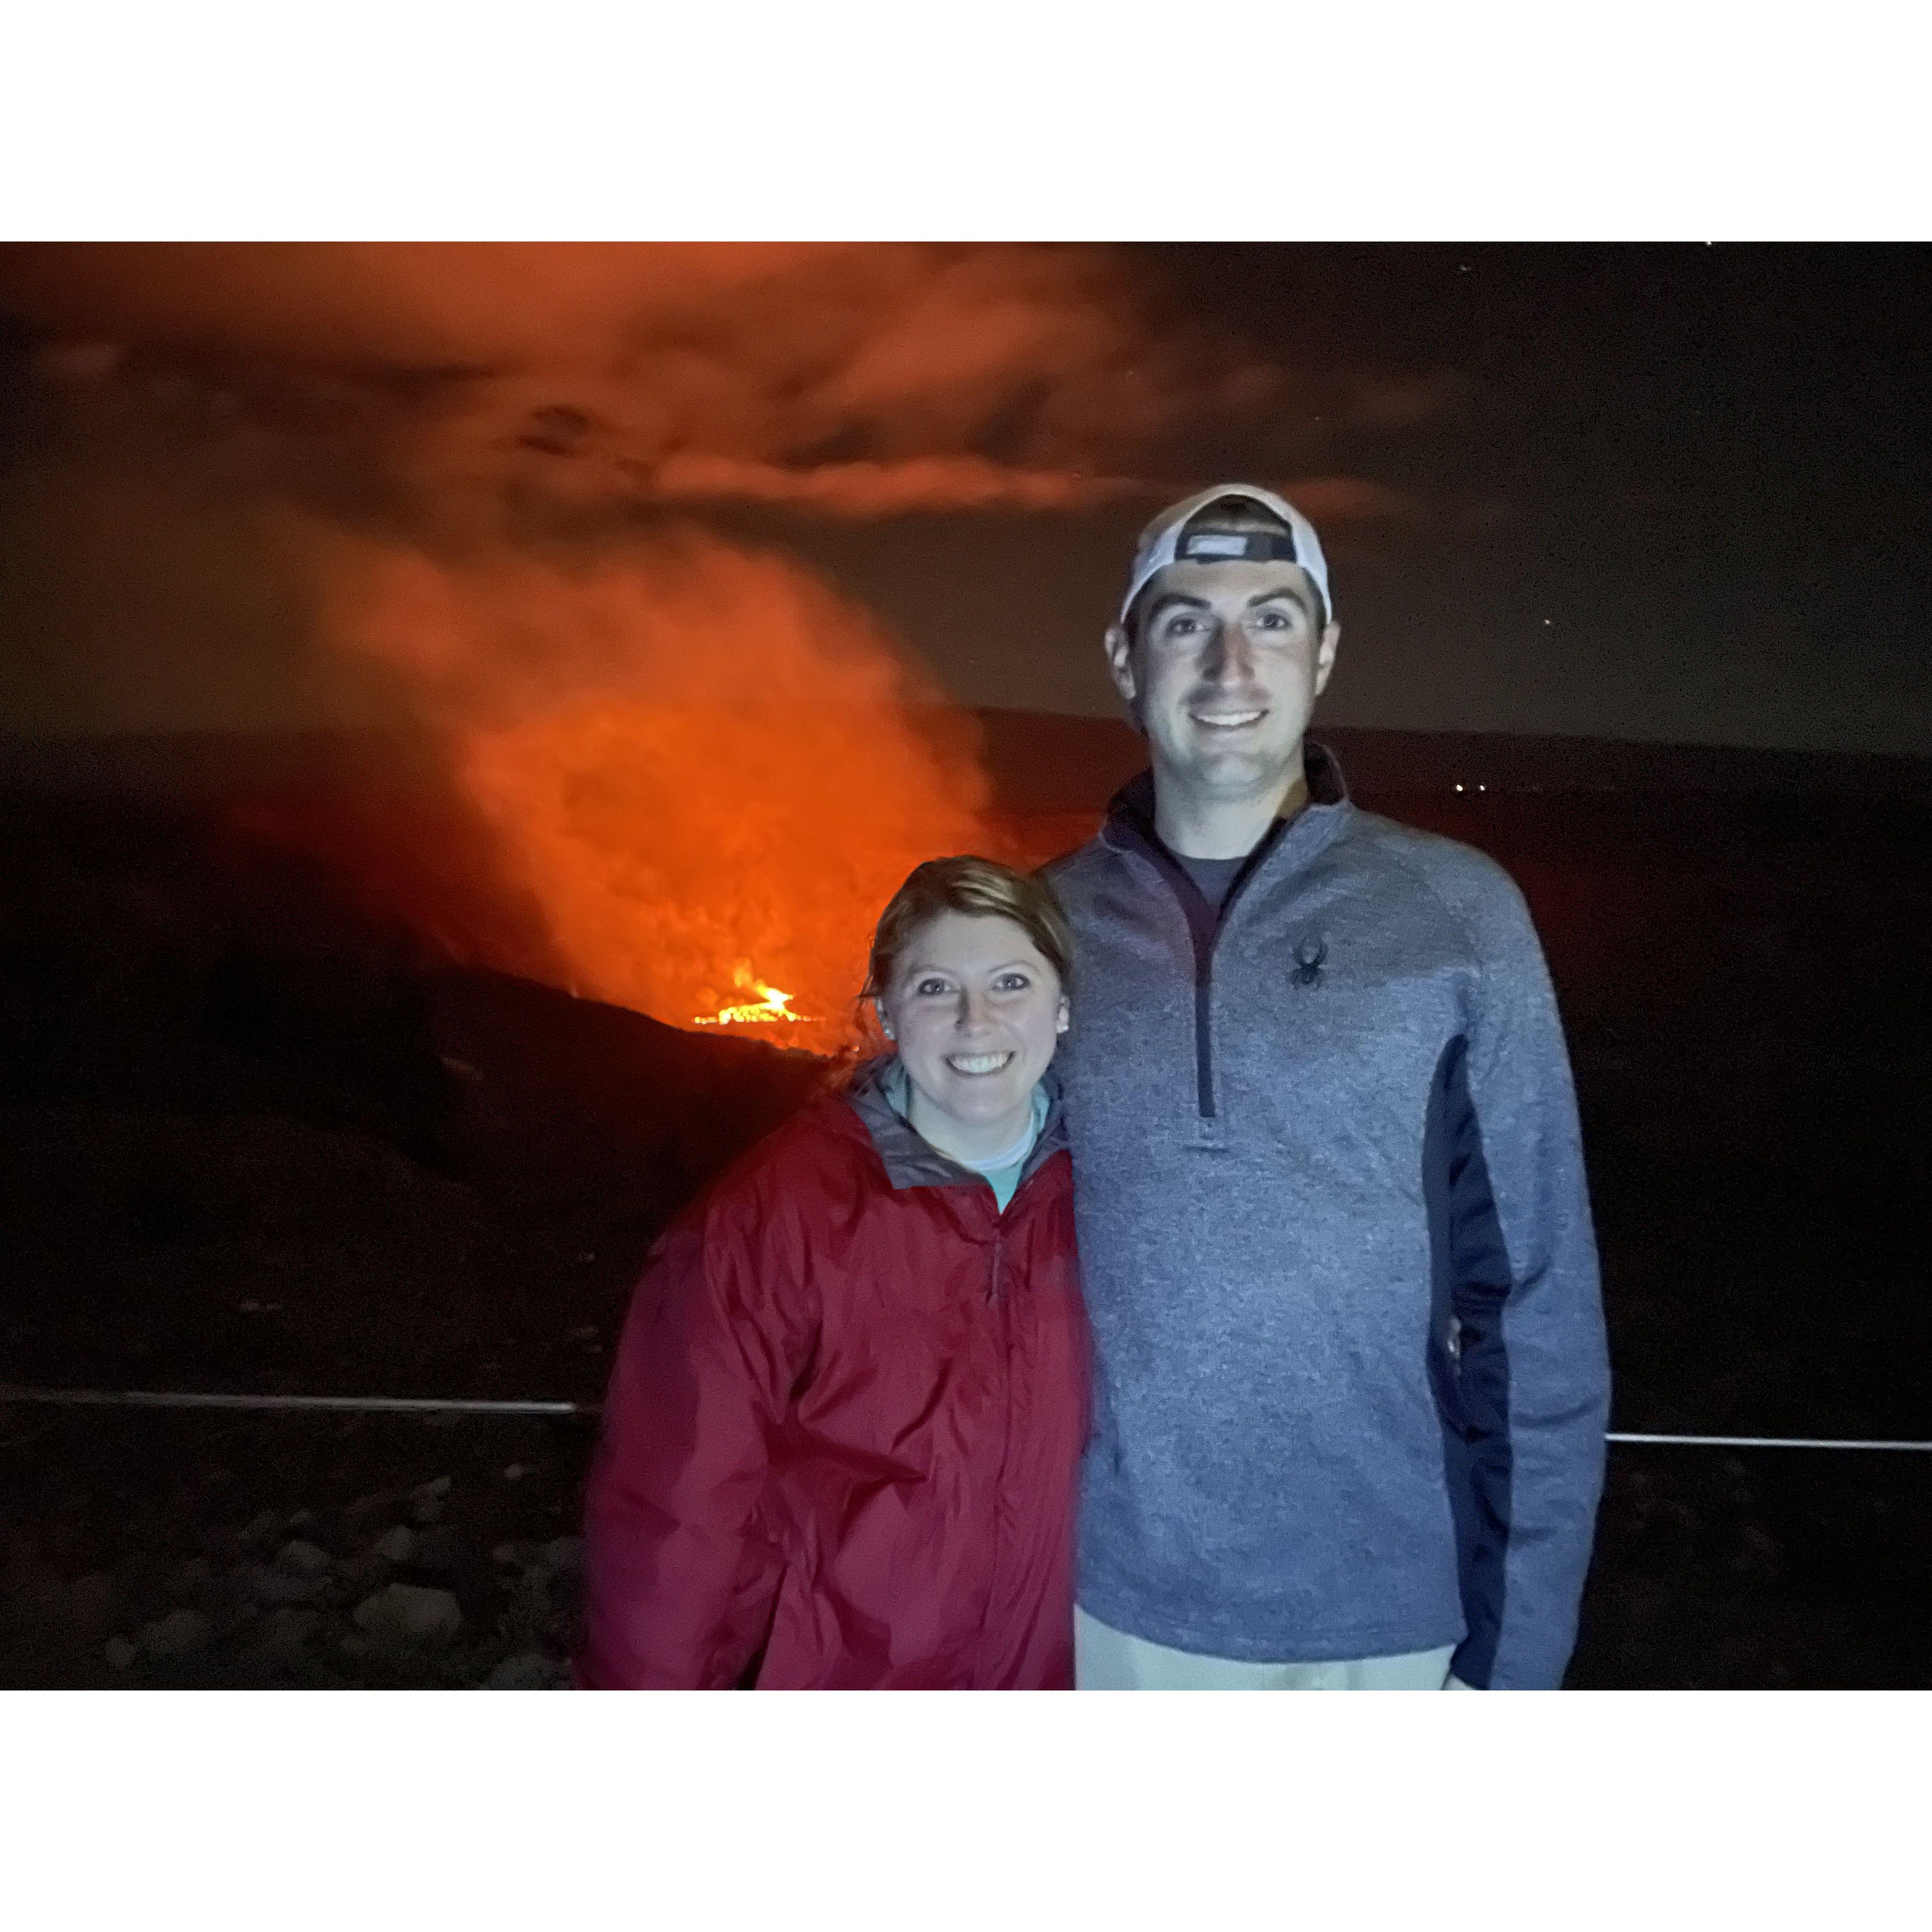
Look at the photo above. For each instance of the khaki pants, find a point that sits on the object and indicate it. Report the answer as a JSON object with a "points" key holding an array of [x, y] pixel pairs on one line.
{"points": [[1105, 1659]]}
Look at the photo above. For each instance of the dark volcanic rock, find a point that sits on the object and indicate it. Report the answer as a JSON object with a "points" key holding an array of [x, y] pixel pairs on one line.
{"points": [[410, 1613], [179, 1631], [397, 1545], [529, 1670]]}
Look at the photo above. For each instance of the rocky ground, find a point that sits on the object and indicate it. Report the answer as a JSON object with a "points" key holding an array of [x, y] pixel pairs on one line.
{"points": [[186, 1550], [1769, 1569], [183, 1549]]}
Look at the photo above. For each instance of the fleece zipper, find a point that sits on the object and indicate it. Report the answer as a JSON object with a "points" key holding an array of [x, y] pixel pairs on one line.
{"points": [[1205, 925]]}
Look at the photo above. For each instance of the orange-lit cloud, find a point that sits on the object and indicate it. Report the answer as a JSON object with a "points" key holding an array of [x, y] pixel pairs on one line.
{"points": [[915, 483], [456, 482], [854, 379]]}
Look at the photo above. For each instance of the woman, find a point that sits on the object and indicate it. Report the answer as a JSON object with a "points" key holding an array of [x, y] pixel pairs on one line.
{"points": [[840, 1446]]}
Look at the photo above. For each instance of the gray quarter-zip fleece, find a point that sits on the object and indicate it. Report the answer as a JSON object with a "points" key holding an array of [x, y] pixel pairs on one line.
{"points": [[1351, 1379]]}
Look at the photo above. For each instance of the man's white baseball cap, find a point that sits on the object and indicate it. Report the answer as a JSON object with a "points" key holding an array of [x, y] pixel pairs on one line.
{"points": [[1175, 534]]}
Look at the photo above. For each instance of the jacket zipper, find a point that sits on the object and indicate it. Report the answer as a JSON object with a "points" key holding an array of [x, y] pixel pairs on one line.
{"points": [[1203, 1032], [996, 1563], [1205, 942], [1204, 935], [1203, 931]]}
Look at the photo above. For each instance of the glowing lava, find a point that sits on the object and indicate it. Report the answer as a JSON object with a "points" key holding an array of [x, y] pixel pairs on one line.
{"points": [[770, 1006]]}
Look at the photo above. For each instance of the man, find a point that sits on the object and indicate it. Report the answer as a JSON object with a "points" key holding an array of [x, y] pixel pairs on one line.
{"points": [[1351, 1385]]}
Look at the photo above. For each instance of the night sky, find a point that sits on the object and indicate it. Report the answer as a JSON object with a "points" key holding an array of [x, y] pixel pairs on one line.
{"points": [[1679, 492], [1672, 492]]}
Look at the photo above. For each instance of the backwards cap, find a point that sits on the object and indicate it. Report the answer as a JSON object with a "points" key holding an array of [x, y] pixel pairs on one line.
{"points": [[1169, 537]]}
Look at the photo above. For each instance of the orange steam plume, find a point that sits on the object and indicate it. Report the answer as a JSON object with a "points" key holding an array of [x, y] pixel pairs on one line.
{"points": [[706, 769]]}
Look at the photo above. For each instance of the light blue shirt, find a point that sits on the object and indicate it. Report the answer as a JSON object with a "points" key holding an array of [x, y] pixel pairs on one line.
{"points": [[1002, 1179]]}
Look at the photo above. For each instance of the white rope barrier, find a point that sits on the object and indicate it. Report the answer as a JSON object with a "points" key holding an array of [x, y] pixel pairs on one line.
{"points": [[404, 1405], [388, 1405], [1768, 1442]]}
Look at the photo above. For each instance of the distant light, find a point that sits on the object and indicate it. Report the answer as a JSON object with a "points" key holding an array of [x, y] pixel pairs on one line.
{"points": [[1482, 788], [1548, 621], [1459, 787]]}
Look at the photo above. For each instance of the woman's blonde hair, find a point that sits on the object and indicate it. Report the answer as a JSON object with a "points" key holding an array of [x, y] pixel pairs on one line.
{"points": [[982, 887]]}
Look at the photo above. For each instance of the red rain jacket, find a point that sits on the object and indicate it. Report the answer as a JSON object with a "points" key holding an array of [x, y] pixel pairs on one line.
{"points": [[845, 1424]]}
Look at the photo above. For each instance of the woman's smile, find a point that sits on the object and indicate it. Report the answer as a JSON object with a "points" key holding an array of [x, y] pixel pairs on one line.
{"points": [[977, 1062]]}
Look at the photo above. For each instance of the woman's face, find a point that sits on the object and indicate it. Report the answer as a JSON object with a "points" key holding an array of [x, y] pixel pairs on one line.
{"points": [[974, 1010]]}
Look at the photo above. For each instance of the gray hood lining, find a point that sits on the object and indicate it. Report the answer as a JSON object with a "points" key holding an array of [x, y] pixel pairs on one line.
{"points": [[912, 1162]]}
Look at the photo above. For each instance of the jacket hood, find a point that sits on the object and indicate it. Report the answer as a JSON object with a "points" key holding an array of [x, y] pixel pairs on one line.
{"points": [[911, 1161]]}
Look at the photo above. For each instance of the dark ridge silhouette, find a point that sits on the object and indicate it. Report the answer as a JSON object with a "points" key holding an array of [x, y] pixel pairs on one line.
{"points": [[1038, 761], [1042, 761]]}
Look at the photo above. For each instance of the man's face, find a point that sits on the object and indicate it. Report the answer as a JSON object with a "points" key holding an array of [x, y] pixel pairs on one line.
{"points": [[1225, 672]]}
